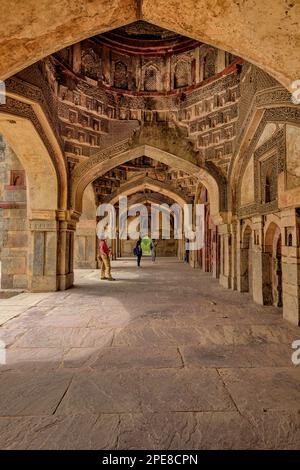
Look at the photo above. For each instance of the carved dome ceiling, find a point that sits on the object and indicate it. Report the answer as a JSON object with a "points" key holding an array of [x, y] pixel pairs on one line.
{"points": [[146, 39]]}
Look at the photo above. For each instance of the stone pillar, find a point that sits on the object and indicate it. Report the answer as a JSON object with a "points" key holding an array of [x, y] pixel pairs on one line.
{"points": [[114, 242], [42, 255], [14, 231], [220, 62], [181, 249], [193, 258], [85, 245], [77, 57], [215, 253], [290, 259], [65, 255], [225, 271], [197, 64], [113, 249], [242, 263], [233, 261], [258, 258], [117, 245]]}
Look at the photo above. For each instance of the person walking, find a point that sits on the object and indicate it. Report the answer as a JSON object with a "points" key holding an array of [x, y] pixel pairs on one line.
{"points": [[153, 246], [105, 261], [187, 251], [138, 252]]}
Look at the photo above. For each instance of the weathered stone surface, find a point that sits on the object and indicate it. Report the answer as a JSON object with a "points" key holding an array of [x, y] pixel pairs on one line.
{"points": [[99, 392], [15, 266], [147, 374], [263, 388], [252, 355], [59, 432], [29, 393], [207, 22], [79, 357], [151, 390], [184, 390], [138, 335], [65, 337], [187, 431], [33, 358], [138, 357], [152, 431]]}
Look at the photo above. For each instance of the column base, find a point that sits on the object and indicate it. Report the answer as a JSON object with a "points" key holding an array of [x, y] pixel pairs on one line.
{"points": [[65, 281], [291, 305], [225, 281], [43, 283]]}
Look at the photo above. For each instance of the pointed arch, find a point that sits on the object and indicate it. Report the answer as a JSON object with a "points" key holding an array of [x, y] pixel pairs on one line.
{"points": [[27, 130], [151, 78], [92, 170], [140, 184]]}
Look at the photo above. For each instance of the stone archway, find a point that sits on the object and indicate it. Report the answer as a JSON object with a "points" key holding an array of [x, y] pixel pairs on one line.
{"points": [[136, 189], [45, 267], [42, 181], [166, 246], [99, 165], [140, 184], [226, 25]]}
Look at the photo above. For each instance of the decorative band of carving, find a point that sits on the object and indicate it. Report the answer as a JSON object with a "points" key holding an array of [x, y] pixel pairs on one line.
{"points": [[43, 225], [100, 157], [35, 94]]}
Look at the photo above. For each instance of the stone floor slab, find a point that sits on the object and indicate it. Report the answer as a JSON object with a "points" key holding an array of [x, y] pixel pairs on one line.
{"points": [[236, 355], [137, 358], [32, 393], [191, 389], [88, 432], [262, 389], [102, 392]]}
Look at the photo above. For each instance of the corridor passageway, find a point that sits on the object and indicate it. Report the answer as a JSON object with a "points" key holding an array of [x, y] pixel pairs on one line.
{"points": [[148, 361]]}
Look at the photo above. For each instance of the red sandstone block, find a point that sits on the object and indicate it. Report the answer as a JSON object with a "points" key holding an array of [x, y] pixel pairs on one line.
{"points": [[17, 240], [13, 266]]}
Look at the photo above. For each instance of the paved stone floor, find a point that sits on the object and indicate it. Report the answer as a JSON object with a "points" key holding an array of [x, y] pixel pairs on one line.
{"points": [[163, 358]]}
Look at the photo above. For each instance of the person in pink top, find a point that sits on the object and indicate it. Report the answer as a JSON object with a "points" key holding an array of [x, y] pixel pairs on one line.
{"points": [[105, 261]]}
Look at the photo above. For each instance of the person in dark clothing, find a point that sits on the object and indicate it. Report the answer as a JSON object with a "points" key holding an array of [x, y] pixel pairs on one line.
{"points": [[187, 251], [138, 252]]}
